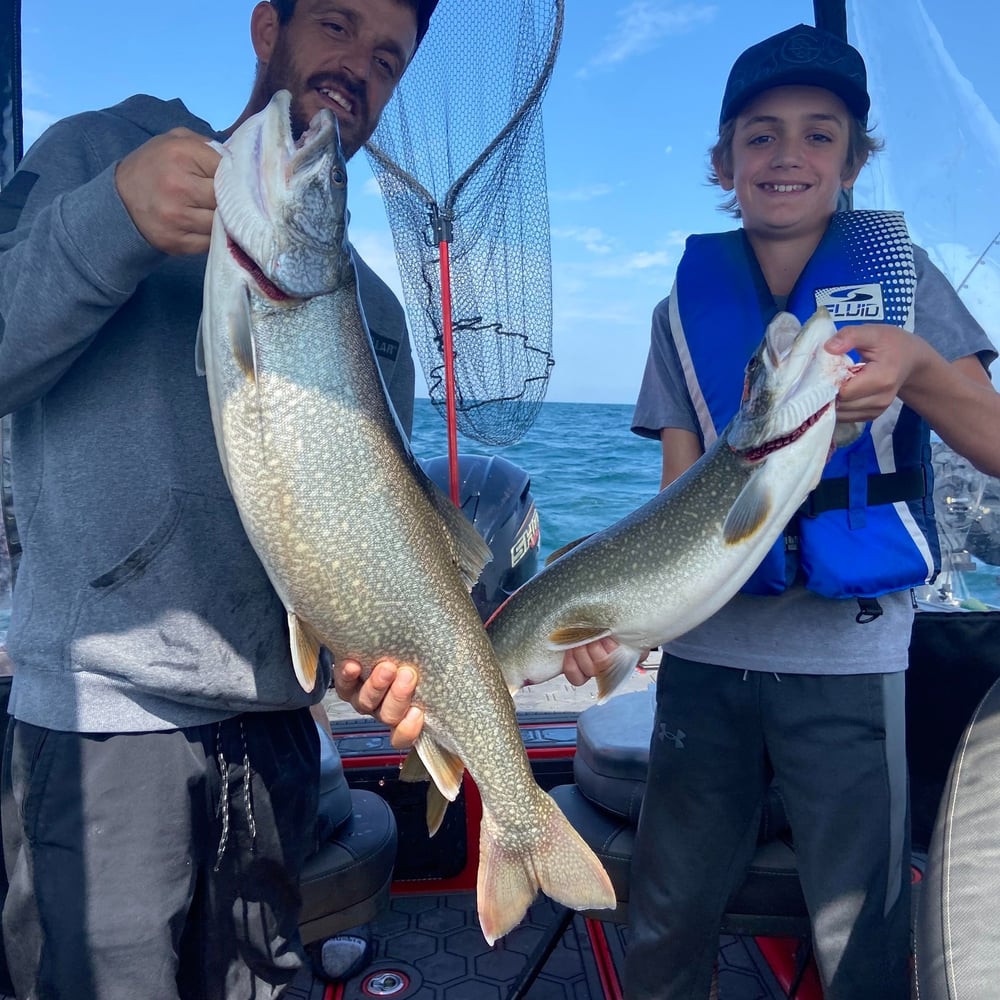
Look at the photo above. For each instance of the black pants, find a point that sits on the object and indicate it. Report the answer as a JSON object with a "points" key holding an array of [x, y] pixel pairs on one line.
{"points": [[836, 749], [158, 865]]}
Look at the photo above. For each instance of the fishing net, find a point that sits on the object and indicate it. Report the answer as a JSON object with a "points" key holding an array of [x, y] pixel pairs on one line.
{"points": [[459, 155]]}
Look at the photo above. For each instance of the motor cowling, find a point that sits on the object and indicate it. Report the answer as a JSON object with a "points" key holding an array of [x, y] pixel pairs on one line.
{"points": [[495, 495]]}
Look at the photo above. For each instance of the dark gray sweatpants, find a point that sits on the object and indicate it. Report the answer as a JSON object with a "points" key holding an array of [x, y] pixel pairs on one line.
{"points": [[836, 747], [138, 870]]}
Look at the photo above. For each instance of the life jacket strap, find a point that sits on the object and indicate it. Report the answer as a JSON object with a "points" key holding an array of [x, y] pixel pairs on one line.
{"points": [[883, 487]]}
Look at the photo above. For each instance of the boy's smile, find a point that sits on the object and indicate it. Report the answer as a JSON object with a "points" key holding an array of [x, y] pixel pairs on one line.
{"points": [[789, 162]]}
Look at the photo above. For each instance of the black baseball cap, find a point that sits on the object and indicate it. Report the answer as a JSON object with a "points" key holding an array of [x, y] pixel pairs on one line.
{"points": [[802, 55]]}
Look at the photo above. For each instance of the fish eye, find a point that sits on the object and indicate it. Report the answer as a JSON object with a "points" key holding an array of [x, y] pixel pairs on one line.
{"points": [[339, 177]]}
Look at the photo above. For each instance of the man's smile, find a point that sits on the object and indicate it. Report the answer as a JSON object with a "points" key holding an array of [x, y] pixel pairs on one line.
{"points": [[337, 98]]}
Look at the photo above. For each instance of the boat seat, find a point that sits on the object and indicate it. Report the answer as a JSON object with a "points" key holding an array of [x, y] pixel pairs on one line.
{"points": [[958, 921], [347, 881]]}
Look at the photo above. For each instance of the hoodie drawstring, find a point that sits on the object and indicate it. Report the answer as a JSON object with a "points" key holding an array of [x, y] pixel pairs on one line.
{"points": [[223, 809]]}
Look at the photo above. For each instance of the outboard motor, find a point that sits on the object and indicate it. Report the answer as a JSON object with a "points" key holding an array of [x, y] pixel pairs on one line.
{"points": [[495, 495]]}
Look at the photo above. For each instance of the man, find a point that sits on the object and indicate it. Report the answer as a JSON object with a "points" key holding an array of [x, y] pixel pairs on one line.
{"points": [[160, 769]]}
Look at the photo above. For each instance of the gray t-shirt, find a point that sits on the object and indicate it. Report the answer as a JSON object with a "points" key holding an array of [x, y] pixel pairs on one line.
{"points": [[800, 631]]}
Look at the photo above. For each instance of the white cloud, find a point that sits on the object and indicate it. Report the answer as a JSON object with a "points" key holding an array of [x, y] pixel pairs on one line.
{"points": [[589, 237], [643, 24], [586, 192]]}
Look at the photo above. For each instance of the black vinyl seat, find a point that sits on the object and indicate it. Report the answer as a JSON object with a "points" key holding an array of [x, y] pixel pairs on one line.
{"points": [[347, 881], [958, 930]]}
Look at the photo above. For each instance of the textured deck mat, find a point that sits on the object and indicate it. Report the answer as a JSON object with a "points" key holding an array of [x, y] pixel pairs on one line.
{"points": [[430, 948]]}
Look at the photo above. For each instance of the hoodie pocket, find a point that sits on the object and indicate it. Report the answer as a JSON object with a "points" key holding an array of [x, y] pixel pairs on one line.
{"points": [[188, 612]]}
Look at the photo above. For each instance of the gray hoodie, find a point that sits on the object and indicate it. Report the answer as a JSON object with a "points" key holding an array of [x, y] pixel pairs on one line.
{"points": [[139, 603]]}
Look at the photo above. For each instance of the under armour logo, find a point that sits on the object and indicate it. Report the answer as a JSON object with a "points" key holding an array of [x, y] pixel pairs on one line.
{"points": [[676, 738]]}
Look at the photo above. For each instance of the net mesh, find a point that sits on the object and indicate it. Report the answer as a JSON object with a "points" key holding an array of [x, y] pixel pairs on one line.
{"points": [[460, 153]]}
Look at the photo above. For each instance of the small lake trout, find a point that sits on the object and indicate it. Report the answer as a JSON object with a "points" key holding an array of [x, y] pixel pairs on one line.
{"points": [[370, 559], [672, 563]]}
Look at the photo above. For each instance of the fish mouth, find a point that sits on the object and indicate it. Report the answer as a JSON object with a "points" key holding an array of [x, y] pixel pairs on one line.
{"points": [[759, 452]]}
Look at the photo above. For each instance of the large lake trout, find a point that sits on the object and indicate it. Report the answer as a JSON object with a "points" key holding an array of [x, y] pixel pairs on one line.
{"points": [[370, 559], [671, 564]]}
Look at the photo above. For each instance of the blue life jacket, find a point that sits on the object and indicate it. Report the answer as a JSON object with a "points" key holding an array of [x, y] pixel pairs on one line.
{"points": [[868, 528]]}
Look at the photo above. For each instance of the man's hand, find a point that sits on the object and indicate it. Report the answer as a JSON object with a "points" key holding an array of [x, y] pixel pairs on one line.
{"points": [[167, 186], [386, 694]]}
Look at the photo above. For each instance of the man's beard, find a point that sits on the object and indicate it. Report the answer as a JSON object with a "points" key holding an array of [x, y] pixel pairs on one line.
{"points": [[280, 74]]}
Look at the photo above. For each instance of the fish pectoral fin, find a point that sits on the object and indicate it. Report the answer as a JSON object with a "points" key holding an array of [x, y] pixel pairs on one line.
{"points": [[748, 513], [241, 336], [414, 769], [558, 861], [444, 767], [305, 646], [469, 549], [576, 634]]}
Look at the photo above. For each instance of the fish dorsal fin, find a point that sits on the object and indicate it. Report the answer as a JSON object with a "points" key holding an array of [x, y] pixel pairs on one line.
{"points": [[414, 769], [241, 336], [748, 513], [553, 556], [305, 651], [469, 550]]}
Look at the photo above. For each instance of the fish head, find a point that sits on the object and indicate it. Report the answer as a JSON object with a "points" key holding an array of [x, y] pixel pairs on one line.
{"points": [[283, 203], [790, 386]]}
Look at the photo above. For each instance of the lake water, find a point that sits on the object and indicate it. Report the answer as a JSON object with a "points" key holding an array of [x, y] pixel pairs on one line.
{"points": [[587, 468]]}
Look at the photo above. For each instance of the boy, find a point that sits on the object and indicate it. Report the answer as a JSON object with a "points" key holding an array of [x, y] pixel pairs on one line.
{"points": [[800, 677]]}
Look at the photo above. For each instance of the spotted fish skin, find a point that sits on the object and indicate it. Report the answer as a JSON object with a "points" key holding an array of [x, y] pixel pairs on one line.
{"points": [[672, 563], [370, 559]]}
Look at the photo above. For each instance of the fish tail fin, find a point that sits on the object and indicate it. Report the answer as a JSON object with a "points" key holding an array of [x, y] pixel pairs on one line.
{"points": [[558, 862]]}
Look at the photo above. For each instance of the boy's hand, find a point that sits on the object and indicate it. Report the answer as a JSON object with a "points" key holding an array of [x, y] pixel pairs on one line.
{"points": [[889, 354], [386, 694], [167, 185]]}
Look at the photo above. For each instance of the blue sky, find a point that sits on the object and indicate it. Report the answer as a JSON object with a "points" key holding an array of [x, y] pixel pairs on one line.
{"points": [[629, 114]]}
